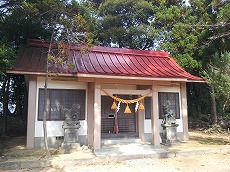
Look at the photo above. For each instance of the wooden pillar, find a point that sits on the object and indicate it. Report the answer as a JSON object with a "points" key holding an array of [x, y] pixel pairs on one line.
{"points": [[97, 117], [90, 113], [184, 110], [155, 117], [141, 120], [31, 112]]}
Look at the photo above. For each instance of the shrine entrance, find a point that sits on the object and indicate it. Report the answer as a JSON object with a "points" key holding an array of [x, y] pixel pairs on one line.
{"points": [[126, 122]]}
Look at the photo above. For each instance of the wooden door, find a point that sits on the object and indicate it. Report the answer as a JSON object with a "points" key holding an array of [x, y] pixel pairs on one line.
{"points": [[126, 122]]}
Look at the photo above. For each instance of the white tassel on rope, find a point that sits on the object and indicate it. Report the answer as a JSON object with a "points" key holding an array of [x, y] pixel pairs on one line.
{"points": [[118, 106], [136, 107]]}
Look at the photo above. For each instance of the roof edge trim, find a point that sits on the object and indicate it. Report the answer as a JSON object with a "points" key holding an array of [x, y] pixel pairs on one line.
{"points": [[104, 76]]}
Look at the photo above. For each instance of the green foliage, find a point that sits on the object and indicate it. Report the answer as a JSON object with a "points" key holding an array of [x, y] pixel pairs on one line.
{"points": [[126, 24], [175, 34], [7, 56], [223, 19], [198, 96], [2, 145], [51, 57], [70, 65], [192, 34], [226, 116], [16, 126], [215, 129], [41, 19], [68, 21], [201, 121], [18, 26], [217, 76]]}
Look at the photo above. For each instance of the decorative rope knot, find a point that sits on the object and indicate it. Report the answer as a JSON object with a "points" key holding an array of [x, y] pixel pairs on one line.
{"points": [[127, 102]]}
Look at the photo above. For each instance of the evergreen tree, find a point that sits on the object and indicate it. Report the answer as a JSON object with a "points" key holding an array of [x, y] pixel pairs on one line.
{"points": [[126, 24], [218, 78]]}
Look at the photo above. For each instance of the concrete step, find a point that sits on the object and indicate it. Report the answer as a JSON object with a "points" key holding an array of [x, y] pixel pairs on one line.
{"points": [[115, 141], [127, 148]]}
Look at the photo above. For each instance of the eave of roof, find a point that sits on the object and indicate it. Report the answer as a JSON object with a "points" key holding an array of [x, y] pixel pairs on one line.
{"points": [[103, 62]]}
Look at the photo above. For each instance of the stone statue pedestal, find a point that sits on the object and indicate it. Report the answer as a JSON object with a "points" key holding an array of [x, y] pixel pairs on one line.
{"points": [[67, 148], [70, 144], [169, 134]]}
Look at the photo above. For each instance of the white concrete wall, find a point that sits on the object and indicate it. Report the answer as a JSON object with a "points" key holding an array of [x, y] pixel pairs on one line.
{"points": [[147, 122], [54, 128]]}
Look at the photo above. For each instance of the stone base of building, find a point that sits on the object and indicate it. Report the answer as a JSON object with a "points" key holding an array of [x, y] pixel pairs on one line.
{"points": [[56, 142], [148, 136]]}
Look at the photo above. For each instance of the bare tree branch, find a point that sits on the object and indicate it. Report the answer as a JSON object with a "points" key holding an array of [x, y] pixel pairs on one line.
{"points": [[219, 35], [217, 25]]}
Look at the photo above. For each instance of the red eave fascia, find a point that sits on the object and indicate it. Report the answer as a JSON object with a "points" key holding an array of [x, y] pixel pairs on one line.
{"points": [[87, 75]]}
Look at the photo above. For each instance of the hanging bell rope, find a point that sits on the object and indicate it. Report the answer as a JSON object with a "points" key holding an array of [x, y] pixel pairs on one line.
{"points": [[126, 101]]}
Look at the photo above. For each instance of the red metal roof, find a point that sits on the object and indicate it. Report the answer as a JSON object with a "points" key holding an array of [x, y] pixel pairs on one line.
{"points": [[102, 61]]}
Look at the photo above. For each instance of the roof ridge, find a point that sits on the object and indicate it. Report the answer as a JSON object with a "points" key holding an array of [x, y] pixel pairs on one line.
{"points": [[101, 49]]}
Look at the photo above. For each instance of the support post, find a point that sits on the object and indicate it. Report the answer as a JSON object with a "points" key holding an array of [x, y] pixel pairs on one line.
{"points": [[90, 113], [97, 117], [155, 117], [141, 120], [31, 112], [184, 110]]}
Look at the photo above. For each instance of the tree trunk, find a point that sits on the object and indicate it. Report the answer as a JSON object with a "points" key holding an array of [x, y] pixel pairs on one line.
{"points": [[18, 110], [25, 105], [213, 107], [5, 89], [45, 105]]}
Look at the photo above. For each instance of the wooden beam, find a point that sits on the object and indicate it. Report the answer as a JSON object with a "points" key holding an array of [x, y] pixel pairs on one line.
{"points": [[124, 81]]}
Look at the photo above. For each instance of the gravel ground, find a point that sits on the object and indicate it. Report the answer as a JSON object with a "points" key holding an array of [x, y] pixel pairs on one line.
{"points": [[194, 161], [210, 162]]}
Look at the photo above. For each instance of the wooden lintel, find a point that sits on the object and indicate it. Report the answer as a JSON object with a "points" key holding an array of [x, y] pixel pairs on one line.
{"points": [[115, 81], [72, 78], [124, 81], [86, 79], [64, 78], [168, 83]]}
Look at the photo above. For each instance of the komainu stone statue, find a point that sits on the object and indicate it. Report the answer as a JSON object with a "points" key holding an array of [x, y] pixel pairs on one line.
{"points": [[169, 117], [169, 126], [71, 126]]}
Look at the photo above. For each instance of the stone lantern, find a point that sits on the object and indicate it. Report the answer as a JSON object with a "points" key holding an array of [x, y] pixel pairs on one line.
{"points": [[169, 127], [71, 126]]}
